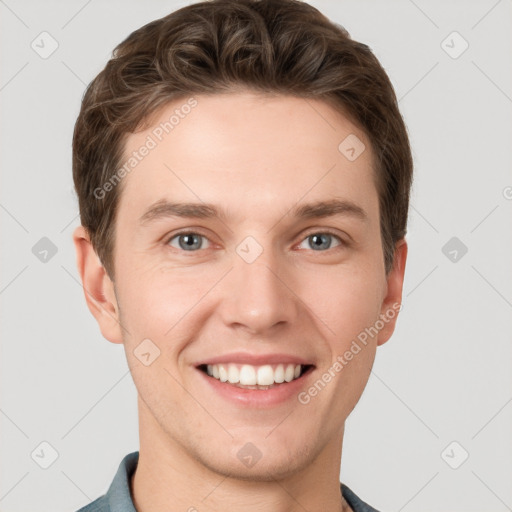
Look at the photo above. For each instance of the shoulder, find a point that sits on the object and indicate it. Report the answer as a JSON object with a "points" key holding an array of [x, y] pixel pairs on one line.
{"points": [[118, 497], [98, 505]]}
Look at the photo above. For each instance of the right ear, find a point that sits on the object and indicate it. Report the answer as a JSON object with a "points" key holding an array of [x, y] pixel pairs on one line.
{"points": [[98, 287]]}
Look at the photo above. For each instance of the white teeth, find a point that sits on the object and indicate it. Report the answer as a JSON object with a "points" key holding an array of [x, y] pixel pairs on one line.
{"points": [[289, 373], [223, 373], [265, 375], [233, 374], [248, 375], [279, 374]]}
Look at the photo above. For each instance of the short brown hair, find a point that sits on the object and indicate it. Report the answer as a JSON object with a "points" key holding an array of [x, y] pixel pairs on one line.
{"points": [[269, 46]]}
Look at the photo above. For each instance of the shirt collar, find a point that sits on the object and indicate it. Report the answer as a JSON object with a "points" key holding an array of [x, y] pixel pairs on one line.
{"points": [[119, 493]]}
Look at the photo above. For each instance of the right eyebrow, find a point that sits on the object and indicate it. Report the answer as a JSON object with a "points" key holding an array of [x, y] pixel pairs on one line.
{"points": [[163, 209]]}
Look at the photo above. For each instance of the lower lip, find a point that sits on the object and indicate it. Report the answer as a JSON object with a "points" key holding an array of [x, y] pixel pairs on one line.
{"points": [[258, 398]]}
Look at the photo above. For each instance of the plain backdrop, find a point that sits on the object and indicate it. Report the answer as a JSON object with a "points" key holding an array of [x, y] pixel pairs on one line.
{"points": [[432, 431]]}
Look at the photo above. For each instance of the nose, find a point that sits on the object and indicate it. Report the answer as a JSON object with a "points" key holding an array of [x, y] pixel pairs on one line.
{"points": [[258, 296]]}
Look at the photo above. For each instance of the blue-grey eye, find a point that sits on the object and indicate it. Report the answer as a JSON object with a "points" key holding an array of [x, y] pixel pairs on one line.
{"points": [[188, 241], [321, 241]]}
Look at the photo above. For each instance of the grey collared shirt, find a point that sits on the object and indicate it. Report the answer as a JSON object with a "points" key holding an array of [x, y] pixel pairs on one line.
{"points": [[118, 497]]}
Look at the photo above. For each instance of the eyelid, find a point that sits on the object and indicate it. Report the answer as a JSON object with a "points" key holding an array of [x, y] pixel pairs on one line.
{"points": [[323, 231], [185, 231]]}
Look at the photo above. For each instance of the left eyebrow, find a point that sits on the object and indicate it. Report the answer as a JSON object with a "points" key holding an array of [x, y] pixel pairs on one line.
{"points": [[163, 209], [330, 208]]}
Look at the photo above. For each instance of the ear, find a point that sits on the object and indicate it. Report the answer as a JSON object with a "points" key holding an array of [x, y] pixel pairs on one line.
{"points": [[98, 288], [391, 304]]}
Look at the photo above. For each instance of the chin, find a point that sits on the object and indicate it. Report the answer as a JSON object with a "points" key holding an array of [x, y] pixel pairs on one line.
{"points": [[268, 465]]}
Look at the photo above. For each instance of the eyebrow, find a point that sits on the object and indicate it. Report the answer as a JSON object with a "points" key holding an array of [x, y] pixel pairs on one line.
{"points": [[164, 209]]}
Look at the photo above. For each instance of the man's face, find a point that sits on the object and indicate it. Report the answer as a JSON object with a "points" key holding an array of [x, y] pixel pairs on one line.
{"points": [[257, 281]]}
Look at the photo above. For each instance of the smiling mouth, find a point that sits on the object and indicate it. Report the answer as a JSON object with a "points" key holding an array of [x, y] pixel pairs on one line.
{"points": [[258, 378]]}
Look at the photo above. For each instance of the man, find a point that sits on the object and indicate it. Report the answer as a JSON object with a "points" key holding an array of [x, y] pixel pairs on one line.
{"points": [[243, 175]]}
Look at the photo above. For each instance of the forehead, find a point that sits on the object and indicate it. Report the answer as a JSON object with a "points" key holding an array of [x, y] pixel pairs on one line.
{"points": [[248, 150]]}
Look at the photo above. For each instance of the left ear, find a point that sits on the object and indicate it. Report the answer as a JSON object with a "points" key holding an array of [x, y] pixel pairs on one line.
{"points": [[391, 304]]}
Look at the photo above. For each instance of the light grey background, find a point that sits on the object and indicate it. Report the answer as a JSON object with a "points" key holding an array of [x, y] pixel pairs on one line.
{"points": [[444, 376]]}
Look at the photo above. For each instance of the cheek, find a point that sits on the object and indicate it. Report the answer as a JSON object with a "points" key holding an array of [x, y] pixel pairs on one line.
{"points": [[156, 313], [346, 300], [158, 305]]}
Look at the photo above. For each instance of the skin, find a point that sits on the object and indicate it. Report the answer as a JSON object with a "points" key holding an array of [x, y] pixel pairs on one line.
{"points": [[258, 157]]}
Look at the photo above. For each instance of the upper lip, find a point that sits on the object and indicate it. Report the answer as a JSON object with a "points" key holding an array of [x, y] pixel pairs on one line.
{"points": [[255, 359]]}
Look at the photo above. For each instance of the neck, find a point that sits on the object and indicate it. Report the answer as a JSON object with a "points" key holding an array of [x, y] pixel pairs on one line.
{"points": [[168, 478]]}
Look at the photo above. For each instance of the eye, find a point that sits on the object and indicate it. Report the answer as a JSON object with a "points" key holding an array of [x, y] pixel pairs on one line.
{"points": [[188, 241], [322, 240], [191, 241]]}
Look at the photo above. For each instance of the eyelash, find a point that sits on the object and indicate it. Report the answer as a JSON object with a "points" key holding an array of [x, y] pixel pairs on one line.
{"points": [[343, 243]]}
